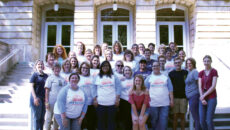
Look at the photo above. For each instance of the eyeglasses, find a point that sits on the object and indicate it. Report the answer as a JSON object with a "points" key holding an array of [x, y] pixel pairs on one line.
{"points": [[120, 65], [85, 68]]}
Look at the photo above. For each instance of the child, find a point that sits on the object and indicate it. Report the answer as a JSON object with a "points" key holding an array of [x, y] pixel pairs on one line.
{"points": [[139, 100]]}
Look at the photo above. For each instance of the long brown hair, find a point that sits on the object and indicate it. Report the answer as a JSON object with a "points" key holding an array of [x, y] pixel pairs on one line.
{"points": [[63, 55], [143, 88]]}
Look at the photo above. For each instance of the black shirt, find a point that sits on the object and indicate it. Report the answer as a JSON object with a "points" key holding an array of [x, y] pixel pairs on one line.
{"points": [[178, 81]]}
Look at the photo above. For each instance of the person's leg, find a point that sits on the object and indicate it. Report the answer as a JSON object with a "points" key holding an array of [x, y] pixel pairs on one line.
{"points": [[125, 109], [211, 107], [101, 117], [202, 112], [194, 108], [48, 119], [182, 120], [90, 118], [42, 117], [175, 118], [154, 115], [59, 121], [143, 122], [36, 115], [111, 117], [163, 118], [75, 124]]}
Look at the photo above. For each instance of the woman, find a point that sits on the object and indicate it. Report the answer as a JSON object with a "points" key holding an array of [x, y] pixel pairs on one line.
{"points": [[182, 56], [173, 47], [161, 97], [95, 65], [117, 51], [49, 63], [74, 64], [192, 91], [60, 53], [53, 85], [98, 51], [125, 107], [139, 100], [66, 70], [161, 49], [71, 105], [37, 98], [86, 83], [106, 94], [109, 57], [208, 98], [88, 55], [80, 52], [129, 60]]}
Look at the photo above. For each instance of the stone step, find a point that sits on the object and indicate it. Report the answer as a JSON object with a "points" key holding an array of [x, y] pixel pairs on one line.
{"points": [[5, 115], [14, 127], [13, 122], [222, 127], [222, 122]]}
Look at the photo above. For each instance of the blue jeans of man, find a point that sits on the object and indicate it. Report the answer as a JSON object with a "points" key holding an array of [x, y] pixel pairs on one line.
{"points": [[106, 114], [71, 125], [206, 114], [194, 108], [159, 117], [37, 114]]}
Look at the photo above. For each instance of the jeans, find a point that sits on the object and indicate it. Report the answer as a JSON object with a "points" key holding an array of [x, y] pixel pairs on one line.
{"points": [[71, 125], [37, 114], [194, 108], [159, 117], [49, 117], [106, 114], [207, 113]]}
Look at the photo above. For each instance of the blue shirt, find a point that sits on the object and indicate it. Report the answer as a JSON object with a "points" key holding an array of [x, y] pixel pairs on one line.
{"points": [[39, 84], [145, 74]]}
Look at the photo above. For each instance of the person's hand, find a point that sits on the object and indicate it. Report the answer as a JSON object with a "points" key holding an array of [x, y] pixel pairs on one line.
{"points": [[171, 103], [140, 119], [117, 102], [95, 103], [47, 106], [135, 118], [36, 101], [64, 122], [202, 97], [80, 120], [204, 102]]}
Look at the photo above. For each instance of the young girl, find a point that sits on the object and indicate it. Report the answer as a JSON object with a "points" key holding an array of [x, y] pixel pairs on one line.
{"points": [[60, 53], [95, 65], [74, 64], [139, 100]]}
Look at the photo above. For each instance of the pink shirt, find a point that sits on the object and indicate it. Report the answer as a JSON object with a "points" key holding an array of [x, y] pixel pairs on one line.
{"points": [[139, 100], [206, 82]]}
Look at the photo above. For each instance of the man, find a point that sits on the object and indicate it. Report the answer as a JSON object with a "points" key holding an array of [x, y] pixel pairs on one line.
{"points": [[143, 69], [135, 50], [149, 62], [178, 77]]}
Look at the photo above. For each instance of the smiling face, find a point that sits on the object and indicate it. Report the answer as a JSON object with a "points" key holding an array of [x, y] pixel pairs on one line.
{"points": [[74, 80], [95, 62], [127, 72], [79, 48], [85, 70], [40, 66], [177, 64], [50, 59], [207, 62], [73, 62], [119, 67], [182, 55], [156, 68], [109, 55], [152, 49], [128, 57], [135, 49], [105, 68], [147, 54], [189, 65], [141, 48], [59, 51], [56, 71], [67, 66], [97, 51], [117, 48], [138, 83]]}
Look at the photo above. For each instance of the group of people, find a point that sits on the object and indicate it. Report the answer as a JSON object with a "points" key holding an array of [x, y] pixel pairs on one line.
{"points": [[108, 88]]}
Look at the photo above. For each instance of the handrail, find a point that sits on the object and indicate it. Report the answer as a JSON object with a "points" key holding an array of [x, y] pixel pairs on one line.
{"points": [[7, 57]]}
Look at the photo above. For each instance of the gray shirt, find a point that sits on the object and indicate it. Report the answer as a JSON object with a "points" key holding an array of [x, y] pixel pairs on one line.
{"points": [[191, 88]]}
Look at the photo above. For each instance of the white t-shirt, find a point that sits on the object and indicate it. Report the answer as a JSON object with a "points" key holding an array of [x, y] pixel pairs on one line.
{"points": [[169, 65], [80, 59], [117, 57], [158, 91], [106, 92], [127, 85], [54, 83], [85, 84], [94, 72], [74, 103]]}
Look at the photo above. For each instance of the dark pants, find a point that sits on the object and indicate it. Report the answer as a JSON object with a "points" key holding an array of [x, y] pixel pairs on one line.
{"points": [[194, 108], [90, 121], [37, 114], [125, 114], [106, 114]]}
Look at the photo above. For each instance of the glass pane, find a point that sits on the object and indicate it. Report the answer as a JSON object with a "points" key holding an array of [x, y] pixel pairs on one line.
{"points": [[60, 15], [122, 34], [178, 34], [107, 34], [66, 34], [119, 15], [169, 15], [50, 49], [67, 50], [51, 38], [164, 34]]}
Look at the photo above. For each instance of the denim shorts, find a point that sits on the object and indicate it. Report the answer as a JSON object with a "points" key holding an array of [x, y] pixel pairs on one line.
{"points": [[139, 112]]}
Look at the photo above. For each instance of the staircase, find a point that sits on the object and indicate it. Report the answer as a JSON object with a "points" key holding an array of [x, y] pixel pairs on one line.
{"points": [[14, 98]]}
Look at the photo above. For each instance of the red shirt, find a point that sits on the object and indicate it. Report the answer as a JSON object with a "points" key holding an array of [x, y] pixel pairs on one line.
{"points": [[139, 100], [207, 82]]}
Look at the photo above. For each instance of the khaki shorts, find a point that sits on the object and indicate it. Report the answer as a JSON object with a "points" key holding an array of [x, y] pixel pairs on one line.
{"points": [[180, 105]]}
